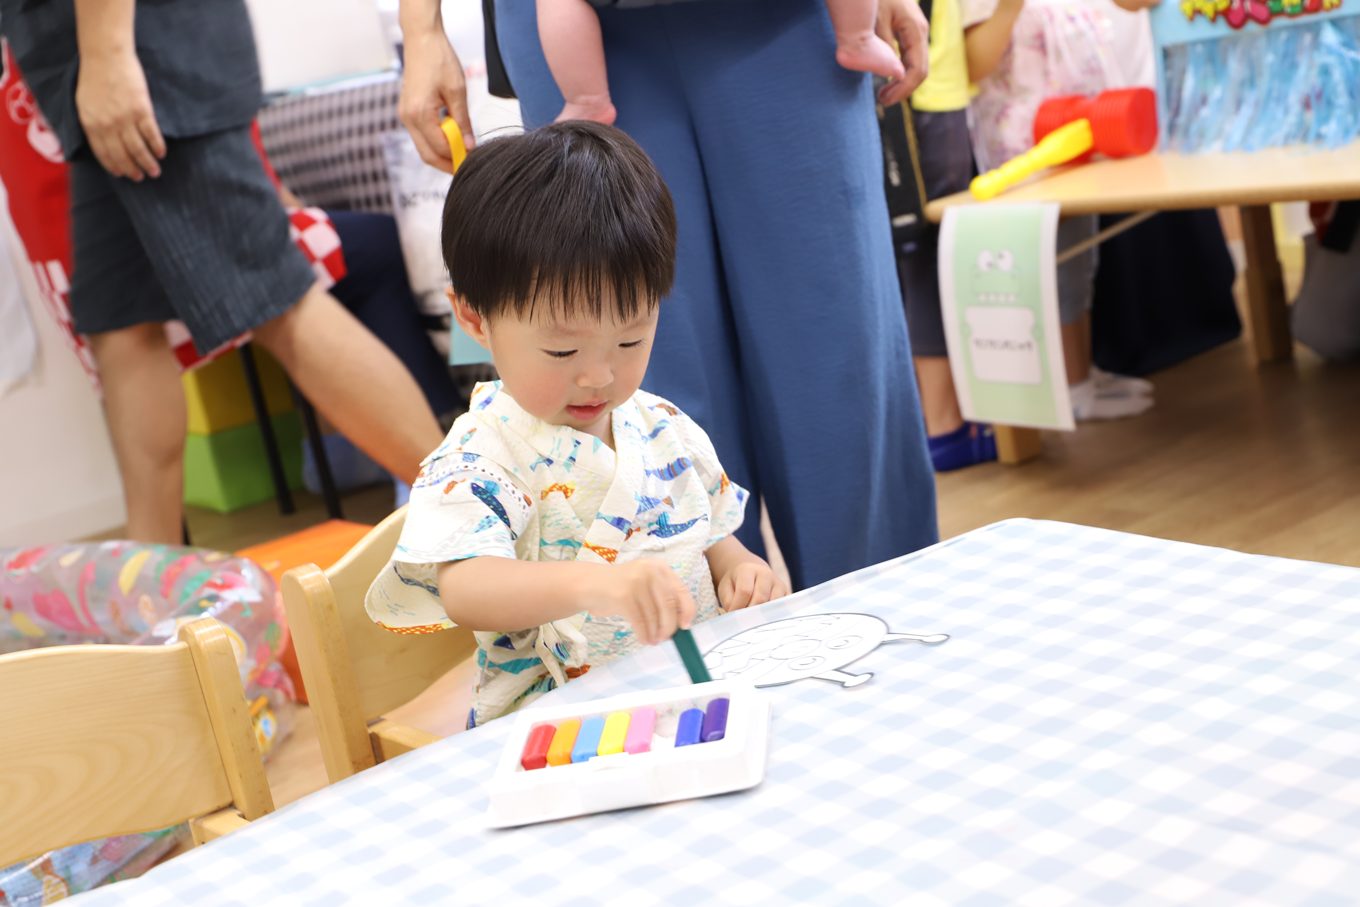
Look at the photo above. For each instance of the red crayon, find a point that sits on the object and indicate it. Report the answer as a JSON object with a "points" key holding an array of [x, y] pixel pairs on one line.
{"points": [[535, 753]]}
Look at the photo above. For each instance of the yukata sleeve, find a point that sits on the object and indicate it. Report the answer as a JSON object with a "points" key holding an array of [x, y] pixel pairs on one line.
{"points": [[462, 506], [726, 499]]}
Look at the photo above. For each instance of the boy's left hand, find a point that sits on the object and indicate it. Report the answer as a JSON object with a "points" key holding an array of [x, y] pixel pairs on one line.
{"points": [[750, 582]]}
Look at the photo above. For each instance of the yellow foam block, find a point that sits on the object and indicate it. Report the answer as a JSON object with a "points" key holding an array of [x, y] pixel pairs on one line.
{"points": [[217, 396]]}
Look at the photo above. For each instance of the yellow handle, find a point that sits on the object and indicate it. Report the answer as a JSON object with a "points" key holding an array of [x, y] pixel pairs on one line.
{"points": [[1058, 147], [455, 137]]}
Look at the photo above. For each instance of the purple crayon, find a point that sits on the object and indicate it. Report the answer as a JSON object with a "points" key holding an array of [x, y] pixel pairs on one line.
{"points": [[640, 730], [715, 721]]}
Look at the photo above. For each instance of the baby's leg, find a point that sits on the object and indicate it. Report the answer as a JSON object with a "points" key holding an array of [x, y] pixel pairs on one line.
{"points": [[857, 46], [570, 33]]}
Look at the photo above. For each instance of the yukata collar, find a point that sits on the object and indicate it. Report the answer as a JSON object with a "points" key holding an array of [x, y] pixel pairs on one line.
{"points": [[550, 442]]}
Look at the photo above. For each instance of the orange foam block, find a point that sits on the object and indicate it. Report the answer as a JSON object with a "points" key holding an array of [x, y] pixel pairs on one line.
{"points": [[323, 545]]}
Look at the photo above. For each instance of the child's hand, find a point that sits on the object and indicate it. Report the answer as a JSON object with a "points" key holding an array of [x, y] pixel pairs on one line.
{"points": [[751, 582], [646, 593]]}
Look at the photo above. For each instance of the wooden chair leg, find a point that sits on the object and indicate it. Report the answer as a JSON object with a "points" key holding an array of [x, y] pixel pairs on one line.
{"points": [[391, 739], [1017, 445], [215, 825]]}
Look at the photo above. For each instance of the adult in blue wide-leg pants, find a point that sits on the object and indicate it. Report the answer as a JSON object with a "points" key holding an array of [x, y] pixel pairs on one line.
{"points": [[784, 336]]}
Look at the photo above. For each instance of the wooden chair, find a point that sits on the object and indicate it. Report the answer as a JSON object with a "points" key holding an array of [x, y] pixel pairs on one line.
{"points": [[103, 740], [354, 671]]}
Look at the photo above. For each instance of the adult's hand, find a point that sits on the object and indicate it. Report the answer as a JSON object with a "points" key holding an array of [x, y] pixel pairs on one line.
{"points": [[431, 82], [902, 21], [113, 103], [114, 107]]}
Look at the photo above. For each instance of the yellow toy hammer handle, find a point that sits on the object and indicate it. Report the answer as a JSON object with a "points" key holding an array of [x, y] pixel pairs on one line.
{"points": [[455, 137], [1058, 147]]}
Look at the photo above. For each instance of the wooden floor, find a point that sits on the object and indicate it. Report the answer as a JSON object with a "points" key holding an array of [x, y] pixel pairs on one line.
{"points": [[1264, 460], [1258, 459]]}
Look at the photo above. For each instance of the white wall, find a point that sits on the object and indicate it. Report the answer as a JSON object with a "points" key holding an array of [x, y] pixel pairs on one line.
{"points": [[58, 479], [304, 42]]}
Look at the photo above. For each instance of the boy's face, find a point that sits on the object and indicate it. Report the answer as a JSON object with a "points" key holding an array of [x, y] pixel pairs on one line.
{"points": [[566, 372]]}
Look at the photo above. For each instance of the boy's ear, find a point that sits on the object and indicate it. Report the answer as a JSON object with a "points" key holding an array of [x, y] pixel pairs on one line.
{"points": [[474, 325]]}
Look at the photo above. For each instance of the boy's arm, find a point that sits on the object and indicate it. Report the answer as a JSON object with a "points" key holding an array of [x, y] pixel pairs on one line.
{"points": [[112, 100], [742, 578], [986, 42], [500, 594]]}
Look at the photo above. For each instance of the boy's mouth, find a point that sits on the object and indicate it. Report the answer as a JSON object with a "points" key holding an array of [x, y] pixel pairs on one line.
{"points": [[587, 412]]}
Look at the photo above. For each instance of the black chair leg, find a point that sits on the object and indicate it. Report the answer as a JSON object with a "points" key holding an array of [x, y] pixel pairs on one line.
{"points": [[271, 442], [329, 493]]}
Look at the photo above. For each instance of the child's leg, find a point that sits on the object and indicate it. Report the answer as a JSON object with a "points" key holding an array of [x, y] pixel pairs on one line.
{"points": [[857, 46], [570, 33], [1076, 280]]}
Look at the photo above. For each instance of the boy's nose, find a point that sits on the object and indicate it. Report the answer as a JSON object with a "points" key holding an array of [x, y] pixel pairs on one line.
{"points": [[598, 375]]}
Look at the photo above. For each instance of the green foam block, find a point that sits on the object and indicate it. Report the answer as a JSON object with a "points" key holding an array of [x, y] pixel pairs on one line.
{"points": [[228, 470]]}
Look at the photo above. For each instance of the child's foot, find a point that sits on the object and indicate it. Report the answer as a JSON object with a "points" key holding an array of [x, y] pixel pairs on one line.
{"points": [[865, 51], [1110, 384], [1090, 403], [597, 108], [967, 445]]}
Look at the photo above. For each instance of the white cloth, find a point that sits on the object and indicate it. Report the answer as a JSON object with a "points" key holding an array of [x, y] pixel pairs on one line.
{"points": [[18, 343], [1132, 49]]}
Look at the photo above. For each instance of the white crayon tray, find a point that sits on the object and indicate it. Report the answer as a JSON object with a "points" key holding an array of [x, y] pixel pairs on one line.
{"points": [[618, 769]]}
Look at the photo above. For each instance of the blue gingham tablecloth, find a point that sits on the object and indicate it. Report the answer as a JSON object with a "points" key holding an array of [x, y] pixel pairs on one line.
{"points": [[1116, 719]]}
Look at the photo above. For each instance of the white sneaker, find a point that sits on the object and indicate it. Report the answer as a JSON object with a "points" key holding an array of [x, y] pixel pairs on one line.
{"points": [[1088, 404], [1109, 384]]}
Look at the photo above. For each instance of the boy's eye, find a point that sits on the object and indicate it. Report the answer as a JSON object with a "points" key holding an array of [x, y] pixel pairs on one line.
{"points": [[560, 354], [631, 344]]}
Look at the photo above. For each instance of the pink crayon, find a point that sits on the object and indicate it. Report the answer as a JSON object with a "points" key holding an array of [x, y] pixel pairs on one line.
{"points": [[640, 731]]}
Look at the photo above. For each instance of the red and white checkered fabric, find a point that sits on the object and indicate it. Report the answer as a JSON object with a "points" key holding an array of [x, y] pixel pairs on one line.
{"points": [[315, 236]]}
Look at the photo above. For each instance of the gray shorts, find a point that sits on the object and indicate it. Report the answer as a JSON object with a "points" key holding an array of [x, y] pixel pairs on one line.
{"points": [[946, 167], [206, 243]]}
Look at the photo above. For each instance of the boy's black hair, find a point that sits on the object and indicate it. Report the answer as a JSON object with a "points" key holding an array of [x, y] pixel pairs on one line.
{"points": [[573, 216]]}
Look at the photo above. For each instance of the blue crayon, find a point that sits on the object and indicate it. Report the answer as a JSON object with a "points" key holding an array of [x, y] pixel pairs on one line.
{"points": [[588, 740], [691, 724], [715, 721]]}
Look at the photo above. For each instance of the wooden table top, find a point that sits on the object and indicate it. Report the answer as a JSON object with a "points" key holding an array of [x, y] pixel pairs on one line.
{"points": [[1164, 181]]}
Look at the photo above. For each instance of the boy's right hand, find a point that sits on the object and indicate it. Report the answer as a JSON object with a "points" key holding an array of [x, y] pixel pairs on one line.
{"points": [[114, 108], [646, 593]]}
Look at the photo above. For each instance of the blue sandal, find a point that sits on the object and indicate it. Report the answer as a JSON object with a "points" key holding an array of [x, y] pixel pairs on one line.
{"points": [[970, 444]]}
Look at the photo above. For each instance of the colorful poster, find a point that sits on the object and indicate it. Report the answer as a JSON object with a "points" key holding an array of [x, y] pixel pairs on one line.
{"points": [[998, 288]]}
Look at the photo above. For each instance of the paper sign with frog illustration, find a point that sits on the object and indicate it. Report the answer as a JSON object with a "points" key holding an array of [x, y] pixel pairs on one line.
{"points": [[998, 289]]}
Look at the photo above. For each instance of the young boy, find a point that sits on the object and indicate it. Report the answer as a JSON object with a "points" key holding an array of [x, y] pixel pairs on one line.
{"points": [[573, 45], [569, 517]]}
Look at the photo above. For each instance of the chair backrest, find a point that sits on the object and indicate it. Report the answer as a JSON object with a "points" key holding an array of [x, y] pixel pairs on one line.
{"points": [[105, 740], [355, 671]]}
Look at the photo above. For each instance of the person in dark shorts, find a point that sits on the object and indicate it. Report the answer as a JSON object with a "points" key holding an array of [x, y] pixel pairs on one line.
{"points": [[172, 217]]}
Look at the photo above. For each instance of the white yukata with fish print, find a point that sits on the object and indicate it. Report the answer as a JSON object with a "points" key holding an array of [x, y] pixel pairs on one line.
{"points": [[507, 484]]}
